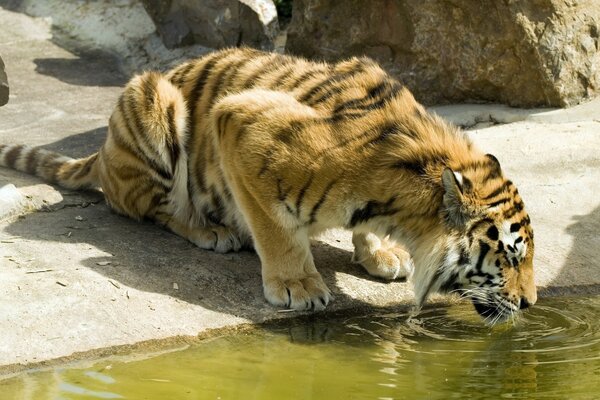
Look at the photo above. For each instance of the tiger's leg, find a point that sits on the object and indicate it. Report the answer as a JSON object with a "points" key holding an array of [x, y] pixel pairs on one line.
{"points": [[289, 276], [381, 257], [281, 240]]}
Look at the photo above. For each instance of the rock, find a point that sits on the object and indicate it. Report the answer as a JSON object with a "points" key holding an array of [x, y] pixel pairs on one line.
{"points": [[3, 85], [215, 23], [524, 53], [11, 201]]}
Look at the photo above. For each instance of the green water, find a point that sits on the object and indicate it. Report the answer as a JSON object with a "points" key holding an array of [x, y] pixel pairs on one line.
{"points": [[551, 352]]}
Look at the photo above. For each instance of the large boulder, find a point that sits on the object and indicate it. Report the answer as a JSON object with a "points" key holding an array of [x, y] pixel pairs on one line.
{"points": [[520, 52], [215, 23], [3, 85]]}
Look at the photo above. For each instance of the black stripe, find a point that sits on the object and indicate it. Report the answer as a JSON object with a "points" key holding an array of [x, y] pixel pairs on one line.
{"points": [[135, 151], [498, 190], [141, 191], [66, 174], [396, 88], [516, 208], [281, 192], [345, 143], [12, 155], [386, 89], [495, 169], [222, 122], [86, 168], [318, 204], [180, 75], [173, 140], [372, 209], [302, 193], [384, 133], [492, 233], [329, 82], [273, 62], [499, 202], [283, 135], [477, 224], [116, 136], [304, 77], [31, 161], [484, 248], [130, 113], [360, 101], [412, 166], [282, 76], [130, 172], [135, 135], [500, 248], [419, 166], [220, 80], [327, 95], [156, 201], [149, 88], [201, 79], [492, 174], [334, 118], [466, 185], [464, 258], [233, 73]]}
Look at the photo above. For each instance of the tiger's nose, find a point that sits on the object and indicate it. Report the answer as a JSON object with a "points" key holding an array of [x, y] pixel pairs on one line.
{"points": [[524, 303]]}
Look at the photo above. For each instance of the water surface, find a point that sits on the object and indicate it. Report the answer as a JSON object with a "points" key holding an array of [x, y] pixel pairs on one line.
{"points": [[551, 352]]}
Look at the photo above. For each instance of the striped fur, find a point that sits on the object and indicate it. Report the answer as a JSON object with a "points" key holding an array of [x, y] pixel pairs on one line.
{"points": [[245, 148]]}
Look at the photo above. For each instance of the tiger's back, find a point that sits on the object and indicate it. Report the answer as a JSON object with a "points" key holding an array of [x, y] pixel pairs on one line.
{"points": [[332, 90]]}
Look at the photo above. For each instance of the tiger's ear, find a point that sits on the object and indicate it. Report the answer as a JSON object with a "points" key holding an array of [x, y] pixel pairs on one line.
{"points": [[494, 165], [454, 202]]}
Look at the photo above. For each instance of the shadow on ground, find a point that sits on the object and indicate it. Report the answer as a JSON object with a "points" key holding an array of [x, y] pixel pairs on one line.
{"points": [[80, 145], [100, 70], [583, 259]]}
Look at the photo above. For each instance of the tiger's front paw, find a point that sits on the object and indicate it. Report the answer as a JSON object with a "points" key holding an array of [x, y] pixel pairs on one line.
{"points": [[391, 263], [306, 294]]}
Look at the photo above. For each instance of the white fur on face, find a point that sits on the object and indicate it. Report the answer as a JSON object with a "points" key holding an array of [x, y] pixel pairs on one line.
{"points": [[509, 238]]}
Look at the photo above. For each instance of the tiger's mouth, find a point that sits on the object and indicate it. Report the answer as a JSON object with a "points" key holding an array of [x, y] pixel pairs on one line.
{"points": [[491, 313]]}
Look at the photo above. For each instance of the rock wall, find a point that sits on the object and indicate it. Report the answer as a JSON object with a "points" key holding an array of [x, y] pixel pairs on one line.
{"points": [[520, 52], [215, 23]]}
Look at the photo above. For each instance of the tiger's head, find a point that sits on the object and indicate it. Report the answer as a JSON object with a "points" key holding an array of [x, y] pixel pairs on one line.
{"points": [[493, 263]]}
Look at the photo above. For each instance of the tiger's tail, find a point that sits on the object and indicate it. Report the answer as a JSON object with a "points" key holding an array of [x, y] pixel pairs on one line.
{"points": [[70, 173]]}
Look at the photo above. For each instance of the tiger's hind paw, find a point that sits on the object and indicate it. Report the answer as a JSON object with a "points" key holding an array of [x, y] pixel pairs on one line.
{"points": [[225, 240], [218, 238]]}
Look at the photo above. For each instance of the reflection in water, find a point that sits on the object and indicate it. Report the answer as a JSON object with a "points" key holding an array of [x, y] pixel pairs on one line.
{"points": [[552, 351]]}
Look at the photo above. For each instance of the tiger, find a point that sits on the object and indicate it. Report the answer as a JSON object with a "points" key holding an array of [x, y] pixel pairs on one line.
{"points": [[244, 149]]}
